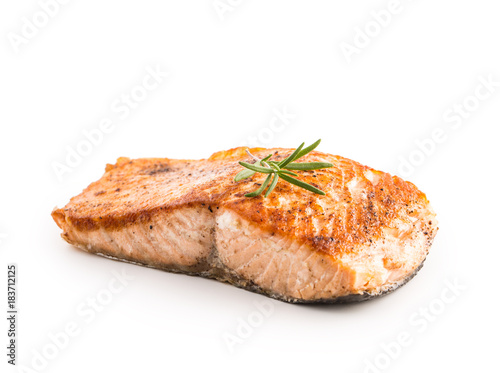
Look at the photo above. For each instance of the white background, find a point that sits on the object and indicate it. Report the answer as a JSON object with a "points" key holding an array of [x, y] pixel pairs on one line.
{"points": [[227, 75]]}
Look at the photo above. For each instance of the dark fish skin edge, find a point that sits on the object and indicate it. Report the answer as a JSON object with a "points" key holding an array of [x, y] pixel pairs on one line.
{"points": [[351, 298], [356, 298], [221, 275]]}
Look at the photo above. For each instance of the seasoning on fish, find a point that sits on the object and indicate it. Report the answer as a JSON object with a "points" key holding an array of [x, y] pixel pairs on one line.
{"points": [[367, 236]]}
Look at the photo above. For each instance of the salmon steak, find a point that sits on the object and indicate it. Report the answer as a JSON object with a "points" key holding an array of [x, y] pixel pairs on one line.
{"points": [[367, 236]]}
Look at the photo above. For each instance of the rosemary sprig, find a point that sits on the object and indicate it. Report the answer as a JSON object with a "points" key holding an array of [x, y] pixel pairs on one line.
{"points": [[282, 170]]}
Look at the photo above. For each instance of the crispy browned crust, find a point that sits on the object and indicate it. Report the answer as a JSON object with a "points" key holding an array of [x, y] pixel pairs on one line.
{"points": [[132, 191]]}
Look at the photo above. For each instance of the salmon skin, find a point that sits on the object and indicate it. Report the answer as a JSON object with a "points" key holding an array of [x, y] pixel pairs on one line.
{"points": [[367, 236]]}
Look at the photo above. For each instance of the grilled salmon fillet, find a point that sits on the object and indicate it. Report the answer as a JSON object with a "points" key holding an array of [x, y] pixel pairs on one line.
{"points": [[368, 235]]}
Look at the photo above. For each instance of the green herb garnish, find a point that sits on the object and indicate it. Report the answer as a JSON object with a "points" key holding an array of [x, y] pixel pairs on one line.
{"points": [[281, 170]]}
